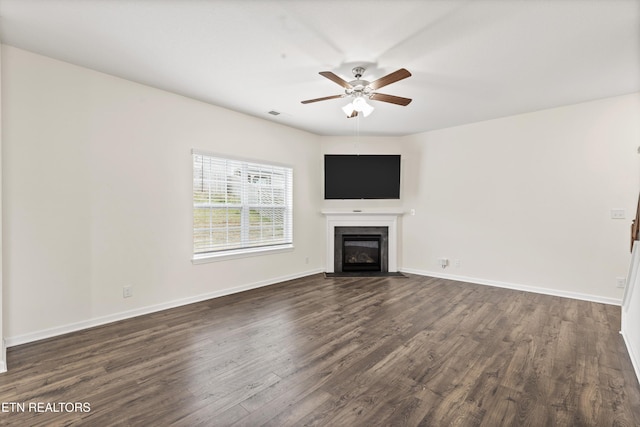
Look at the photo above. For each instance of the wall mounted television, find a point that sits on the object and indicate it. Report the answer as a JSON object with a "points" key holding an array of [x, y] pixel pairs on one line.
{"points": [[367, 176]]}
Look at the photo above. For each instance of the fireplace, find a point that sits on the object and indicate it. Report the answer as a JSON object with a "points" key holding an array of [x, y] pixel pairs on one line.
{"points": [[361, 249], [361, 252], [357, 222]]}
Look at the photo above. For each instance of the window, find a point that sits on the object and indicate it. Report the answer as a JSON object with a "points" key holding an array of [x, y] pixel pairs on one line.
{"points": [[240, 206]]}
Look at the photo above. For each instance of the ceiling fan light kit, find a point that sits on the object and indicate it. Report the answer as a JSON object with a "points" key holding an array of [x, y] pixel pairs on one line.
{"points": [[359, 90], [361, 106], [348, 109]]}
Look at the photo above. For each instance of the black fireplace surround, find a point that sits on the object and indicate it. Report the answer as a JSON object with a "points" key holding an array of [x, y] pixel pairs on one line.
{"points": [[361, 249]]}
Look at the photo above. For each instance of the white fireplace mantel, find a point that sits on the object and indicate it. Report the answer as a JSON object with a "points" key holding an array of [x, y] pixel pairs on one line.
{"points": [[363, 218]]}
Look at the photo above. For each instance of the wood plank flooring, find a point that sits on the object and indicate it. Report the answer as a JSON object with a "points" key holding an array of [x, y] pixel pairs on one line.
{"points": [[337, 352]]}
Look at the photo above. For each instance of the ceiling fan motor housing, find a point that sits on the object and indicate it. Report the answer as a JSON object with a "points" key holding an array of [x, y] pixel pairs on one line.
{"points": [[360, 88]]}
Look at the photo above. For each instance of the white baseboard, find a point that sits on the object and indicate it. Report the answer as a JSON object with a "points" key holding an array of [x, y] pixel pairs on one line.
{"points": [[516, 286], [635, 361], [90, 323]]}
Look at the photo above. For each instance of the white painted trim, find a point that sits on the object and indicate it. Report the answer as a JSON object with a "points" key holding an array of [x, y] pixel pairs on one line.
{"points": [[60, 330], [238, 158], [3, 348], [635, 358], [73, 327], [629, 313], [632, 276], [240, 253], [516, 286], [3, 363], [363, 219], [386, 211]]}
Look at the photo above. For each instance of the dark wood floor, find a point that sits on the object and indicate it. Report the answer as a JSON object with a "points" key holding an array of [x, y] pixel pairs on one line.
{"points": [[338, 352]]}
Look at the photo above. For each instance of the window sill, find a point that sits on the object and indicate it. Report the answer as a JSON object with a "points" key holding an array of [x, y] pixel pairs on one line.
{"points": [[240, 253]]}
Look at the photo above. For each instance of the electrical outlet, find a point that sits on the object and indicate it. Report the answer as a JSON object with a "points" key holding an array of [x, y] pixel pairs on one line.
{"points": [[621, 282], [306, 260], [443, 262], [127, 292], [617, 214], [456, 263]]}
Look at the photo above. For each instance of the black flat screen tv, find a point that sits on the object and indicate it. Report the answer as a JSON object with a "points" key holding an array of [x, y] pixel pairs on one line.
{"points": [[367, 176]]}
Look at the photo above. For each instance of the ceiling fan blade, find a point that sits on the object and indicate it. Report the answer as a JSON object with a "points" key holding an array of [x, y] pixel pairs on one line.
{"points": [[334, 78], [308, 101], [389, 78], [390, 98]]}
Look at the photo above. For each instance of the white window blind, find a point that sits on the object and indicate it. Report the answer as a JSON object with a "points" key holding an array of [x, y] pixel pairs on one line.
{"points": [[240, 205]]}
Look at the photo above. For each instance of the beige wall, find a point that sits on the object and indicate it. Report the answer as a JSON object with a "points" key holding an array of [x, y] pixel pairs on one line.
{"points": [[98, 196], [97, 181], [526, 200], [521, 201]]}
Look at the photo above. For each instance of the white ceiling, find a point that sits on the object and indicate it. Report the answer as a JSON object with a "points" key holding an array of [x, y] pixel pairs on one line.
{"points": [[471, 60]]}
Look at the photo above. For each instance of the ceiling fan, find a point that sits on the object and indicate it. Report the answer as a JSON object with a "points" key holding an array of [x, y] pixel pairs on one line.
{"points": [[360, 90]]}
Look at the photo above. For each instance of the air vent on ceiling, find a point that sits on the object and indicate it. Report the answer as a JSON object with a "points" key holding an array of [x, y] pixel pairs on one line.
{"points": [[274, 113]]}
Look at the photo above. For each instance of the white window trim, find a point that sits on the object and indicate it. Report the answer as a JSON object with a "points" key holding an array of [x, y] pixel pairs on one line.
{"points": [[240, 253], [243, 252]]}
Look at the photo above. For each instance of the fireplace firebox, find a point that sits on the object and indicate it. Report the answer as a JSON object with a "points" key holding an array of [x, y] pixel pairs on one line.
{"points": [[361, 248], [361, 252]]}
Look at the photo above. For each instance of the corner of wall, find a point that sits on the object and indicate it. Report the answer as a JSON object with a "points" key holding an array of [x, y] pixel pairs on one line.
{"points": [[631, 311], [3, 349], [3, 363]]}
